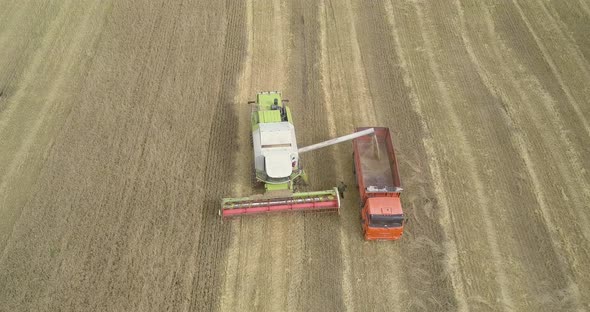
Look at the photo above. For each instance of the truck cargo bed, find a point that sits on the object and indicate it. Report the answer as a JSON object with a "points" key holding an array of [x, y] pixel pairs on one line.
{"points": [[375, 162]]}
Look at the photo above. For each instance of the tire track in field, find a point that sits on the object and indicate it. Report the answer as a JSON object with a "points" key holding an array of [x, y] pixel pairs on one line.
{"points": [[466, 156], [321, 284], [572, 23], [557, 29], [575, 88], [528, 258], [559, 226], [234, 268], [329, 87], [38, 62], [295, 67], [497, 168], [358, 76], [578, 163], [570, 134], [517, 139], [19, 44], [532, 64], [550, 100], [575, 22], [263, 264], [85, 35], [536, 63], [447, 220], [275, 257], [287, 249], [350, 84], [428, 287], [348, 100], [18, 100], [555, 70], [254, 285]]}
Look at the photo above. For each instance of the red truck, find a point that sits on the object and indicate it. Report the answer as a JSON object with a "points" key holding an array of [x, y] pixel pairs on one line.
{"points": [[376, 173]]}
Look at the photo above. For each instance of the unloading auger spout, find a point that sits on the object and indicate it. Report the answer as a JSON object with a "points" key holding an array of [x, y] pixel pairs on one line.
{"points": [[337, 140]]}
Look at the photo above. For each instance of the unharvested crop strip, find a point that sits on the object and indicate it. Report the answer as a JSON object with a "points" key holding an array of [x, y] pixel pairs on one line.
{"points": [[214, 238]]}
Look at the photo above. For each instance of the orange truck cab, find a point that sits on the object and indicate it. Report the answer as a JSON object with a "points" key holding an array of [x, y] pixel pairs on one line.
{"points": [[375, 168]]}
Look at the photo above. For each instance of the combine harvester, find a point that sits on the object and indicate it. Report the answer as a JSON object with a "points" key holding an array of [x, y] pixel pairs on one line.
{"points": [[277, 165]]}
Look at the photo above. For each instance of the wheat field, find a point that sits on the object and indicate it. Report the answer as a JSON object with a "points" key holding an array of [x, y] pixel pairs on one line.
{"points": [[123, 124]]}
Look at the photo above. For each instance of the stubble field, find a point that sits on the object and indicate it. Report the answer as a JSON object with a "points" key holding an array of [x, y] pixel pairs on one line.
{"points": [[122, 124]]}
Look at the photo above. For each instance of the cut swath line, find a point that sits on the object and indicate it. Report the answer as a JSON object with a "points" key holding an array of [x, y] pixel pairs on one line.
{"points": [[359, 78], [264, 258], [558, 123], [346, 282], [467, 155], [47, 109], [37, 62], [232, 277], [573, 47], [46, 106], [516, 138], [571, 100], [446, 222]]}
